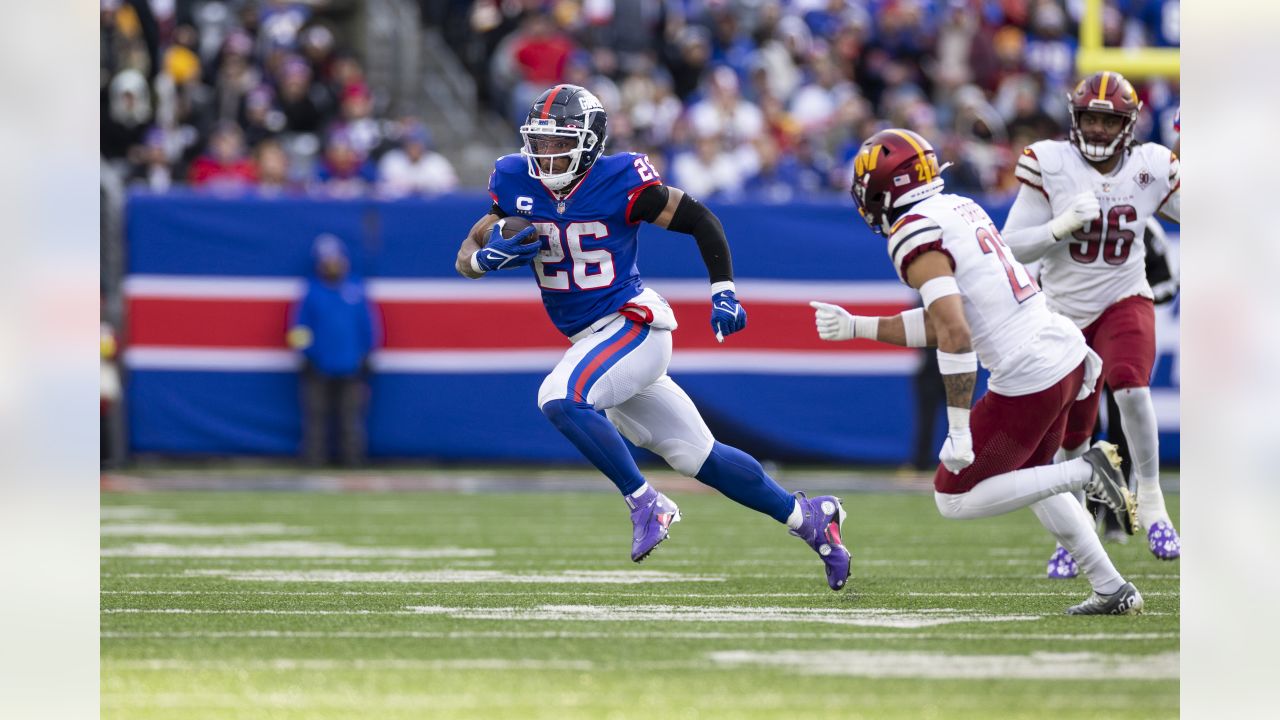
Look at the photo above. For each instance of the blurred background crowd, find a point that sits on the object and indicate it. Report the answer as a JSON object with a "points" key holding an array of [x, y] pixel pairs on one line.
{"points": [[765, 100]]}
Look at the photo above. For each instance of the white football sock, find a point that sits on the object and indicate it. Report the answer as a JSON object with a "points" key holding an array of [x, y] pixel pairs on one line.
{"points": [[1009, 491], [641, 490], [1062, 516], [796, 518], [1138, 415], [1065, 454]]}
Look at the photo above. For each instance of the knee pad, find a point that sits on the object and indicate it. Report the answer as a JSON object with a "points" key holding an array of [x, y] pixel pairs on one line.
{"points": [[685, 455], [948, 504]]}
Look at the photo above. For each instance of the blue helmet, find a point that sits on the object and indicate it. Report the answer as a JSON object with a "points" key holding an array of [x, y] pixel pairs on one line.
{"points": [[566, 121]]}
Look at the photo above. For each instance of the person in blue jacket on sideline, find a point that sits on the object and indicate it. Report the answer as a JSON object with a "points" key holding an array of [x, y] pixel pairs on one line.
{"points": [[336, 327]]}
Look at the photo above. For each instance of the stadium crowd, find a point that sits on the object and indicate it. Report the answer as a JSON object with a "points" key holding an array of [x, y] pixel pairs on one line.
{"points": [[766, 99]]}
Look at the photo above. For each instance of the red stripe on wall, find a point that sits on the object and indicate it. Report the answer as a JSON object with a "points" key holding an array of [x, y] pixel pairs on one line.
{"points": [[471, 325]]}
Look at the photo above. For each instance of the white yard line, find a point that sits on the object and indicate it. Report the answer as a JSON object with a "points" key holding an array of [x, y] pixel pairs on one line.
{"points": [[287, 549], [905, 634], [605, 577], [937, 665], [323, 664], [197, 530]]}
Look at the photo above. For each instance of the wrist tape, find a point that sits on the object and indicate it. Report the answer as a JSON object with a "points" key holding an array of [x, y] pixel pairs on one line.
{"points": [[957, 363]]}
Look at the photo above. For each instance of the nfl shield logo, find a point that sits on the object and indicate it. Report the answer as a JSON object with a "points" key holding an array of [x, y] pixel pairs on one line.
{"points": [[560, 207]]}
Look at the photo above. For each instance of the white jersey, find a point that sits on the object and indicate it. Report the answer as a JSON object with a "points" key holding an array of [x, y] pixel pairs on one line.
{"points": [[1026, 347], [1104, 261]]}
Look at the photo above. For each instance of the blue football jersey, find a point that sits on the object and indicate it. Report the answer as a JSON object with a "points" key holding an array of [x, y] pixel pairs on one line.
{"points": [[587, 267]]}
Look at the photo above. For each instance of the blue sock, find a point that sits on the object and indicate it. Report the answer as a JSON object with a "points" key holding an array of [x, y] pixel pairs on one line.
{"points": [[598, 440], [740, 478]]}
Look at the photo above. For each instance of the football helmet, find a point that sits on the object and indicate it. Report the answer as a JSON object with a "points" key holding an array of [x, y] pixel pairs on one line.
{"points": [[1109, 93], [893, 169], [565, 122]]}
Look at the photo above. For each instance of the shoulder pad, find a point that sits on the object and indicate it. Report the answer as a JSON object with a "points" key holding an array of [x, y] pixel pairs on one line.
{"points": [[1028, 169], [1049, 154], [909, 237]]}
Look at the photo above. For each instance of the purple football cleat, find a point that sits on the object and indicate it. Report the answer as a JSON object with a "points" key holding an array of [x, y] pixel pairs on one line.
{"points": [[823, 517], [1163, 541], [651, 514], [1062, 566]]}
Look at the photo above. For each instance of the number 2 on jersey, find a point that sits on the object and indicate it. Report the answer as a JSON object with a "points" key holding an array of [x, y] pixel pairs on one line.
{"points": [[583, 277], [1019, 279]]}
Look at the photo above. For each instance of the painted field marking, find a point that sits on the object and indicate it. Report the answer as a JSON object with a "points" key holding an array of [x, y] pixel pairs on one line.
{"points": [[863, 617], [936, 665], [156, 529], [287, 549], [322, 664], [906, 634], [134, 512], [1066, 594], [607, 577]]}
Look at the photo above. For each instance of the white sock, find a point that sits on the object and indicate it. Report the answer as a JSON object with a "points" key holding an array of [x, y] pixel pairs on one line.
{"points": [[643, 489], [1062, 516], [1009, 491], [1138, 415], [1065, 454], [796, 518]]}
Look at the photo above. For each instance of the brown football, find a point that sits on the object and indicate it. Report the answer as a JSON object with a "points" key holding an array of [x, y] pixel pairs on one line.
{"points": [[512, 226]]}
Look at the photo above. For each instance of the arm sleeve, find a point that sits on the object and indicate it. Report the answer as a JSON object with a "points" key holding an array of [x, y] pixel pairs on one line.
{"points": [[1026, 230], [691, 218], [694, 218]]}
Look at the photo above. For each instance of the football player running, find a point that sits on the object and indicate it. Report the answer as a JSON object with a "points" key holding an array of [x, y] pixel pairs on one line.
{"points": [[1081, 211], [980, 304], [586, 208]]}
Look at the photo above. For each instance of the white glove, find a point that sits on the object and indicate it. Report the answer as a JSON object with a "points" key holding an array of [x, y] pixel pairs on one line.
{"points": [[1083, 208], [833, 321], [957, 450]]}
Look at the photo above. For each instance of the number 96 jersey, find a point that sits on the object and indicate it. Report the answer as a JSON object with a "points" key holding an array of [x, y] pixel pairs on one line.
{"points": [[587, 267], [1104, 261], [1026, 347]]}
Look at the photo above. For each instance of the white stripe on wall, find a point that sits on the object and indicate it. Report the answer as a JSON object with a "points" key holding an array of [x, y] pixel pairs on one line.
{"points": [[502, 289], [481, 361]]}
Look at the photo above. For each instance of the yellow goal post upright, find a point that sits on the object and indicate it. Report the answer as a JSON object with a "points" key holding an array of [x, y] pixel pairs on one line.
{"points": [[1133, 63]]}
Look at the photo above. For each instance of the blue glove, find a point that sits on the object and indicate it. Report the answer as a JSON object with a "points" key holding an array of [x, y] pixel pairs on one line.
{"points": [[727, 314], [502, 253]]}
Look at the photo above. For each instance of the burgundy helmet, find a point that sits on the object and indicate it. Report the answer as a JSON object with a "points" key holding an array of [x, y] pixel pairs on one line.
{"points": [[893, 168], [1109, 93]]}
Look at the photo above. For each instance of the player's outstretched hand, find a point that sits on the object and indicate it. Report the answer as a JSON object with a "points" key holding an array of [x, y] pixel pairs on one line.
{"points": [[833, 321], [1081, 209], [502, 253], [727, 314], [957, 450]]}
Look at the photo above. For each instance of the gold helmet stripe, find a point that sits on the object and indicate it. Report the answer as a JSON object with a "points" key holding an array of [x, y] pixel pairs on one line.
{"points": [[1102, 89], [924, 163]]}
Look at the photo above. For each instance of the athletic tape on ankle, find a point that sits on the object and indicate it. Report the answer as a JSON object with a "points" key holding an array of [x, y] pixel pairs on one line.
{"points": [[866, 327], [957, 363], [913, 325], [938, 287]]}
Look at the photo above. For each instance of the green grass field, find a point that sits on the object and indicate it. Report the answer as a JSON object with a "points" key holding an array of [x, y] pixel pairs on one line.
{"points": [[502, 605]]}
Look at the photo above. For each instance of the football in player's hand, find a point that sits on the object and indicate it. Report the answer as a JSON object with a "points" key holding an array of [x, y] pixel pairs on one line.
{"points": [[512, 226]]}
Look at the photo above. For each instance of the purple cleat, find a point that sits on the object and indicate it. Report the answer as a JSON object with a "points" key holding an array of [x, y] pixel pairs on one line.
{"points": [[1163, 541], [823, 517], [651, 514], [1062, 566]]}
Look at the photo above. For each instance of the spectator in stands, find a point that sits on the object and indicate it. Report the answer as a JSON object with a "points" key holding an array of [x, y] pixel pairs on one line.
{"points": [[414, 167], [539, 51], [305, 104], [336, 328], [151, 167], [343, 171], [356, 120], [725, 112], [225, 165], [126, 114], [272, 165], [261, 118], [710, 170]]}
